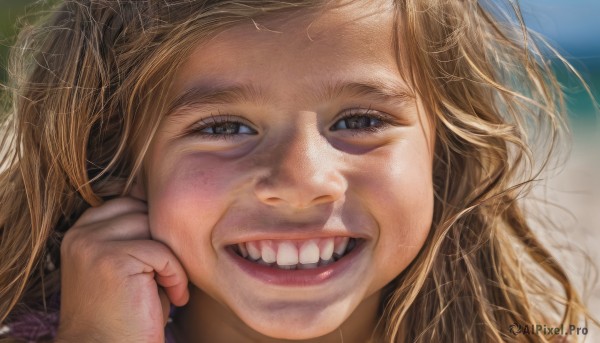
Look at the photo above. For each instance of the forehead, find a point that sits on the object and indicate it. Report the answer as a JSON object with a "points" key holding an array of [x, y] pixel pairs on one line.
{"points": [[352, 40]]}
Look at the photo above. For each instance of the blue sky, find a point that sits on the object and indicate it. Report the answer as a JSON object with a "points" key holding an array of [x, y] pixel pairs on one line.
{"points": [[573, 25]]}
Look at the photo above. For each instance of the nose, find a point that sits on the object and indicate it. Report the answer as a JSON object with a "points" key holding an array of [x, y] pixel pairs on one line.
{"points": [[303, 172]]}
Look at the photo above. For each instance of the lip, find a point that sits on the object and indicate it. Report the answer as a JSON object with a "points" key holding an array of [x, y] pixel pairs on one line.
{"points": [[295, 236], [297, 277]]}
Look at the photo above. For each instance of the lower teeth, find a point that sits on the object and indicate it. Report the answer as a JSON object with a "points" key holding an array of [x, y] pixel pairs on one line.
{"points": [[260, 261], [287, 267]]}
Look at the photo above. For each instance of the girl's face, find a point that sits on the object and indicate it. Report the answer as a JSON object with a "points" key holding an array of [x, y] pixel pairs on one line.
{"points": [[288, 138]]}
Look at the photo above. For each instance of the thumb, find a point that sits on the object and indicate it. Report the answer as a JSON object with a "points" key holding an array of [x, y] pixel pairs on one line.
{"points": [[165, 303]]}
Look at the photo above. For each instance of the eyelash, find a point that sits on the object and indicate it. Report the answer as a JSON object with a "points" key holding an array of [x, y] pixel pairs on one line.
{"points": [[384, 120], [213, 121]]}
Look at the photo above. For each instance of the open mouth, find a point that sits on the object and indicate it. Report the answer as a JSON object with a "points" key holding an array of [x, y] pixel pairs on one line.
{"points": [[296, 254]]}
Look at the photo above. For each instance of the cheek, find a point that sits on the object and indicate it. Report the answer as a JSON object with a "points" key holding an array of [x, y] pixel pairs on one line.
{"points": [[400, 197], [185, 203]]}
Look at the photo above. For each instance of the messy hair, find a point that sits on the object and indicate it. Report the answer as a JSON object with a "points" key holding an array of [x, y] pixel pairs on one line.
{"points": [[89, 84]]}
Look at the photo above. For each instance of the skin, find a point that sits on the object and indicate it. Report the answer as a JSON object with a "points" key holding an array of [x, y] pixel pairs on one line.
{"points": [[293, 168], [293, 173]]}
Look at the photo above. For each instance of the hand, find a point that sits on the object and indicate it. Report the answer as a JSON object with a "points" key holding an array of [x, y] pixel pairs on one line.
{"points": [[116, 283]]}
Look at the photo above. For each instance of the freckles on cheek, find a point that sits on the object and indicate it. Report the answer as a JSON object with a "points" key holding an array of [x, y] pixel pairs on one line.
{"points": [[187, 202]]}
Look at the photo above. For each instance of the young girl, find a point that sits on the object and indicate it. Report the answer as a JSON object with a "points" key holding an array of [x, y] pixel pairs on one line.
{"points": [[260, 171]]}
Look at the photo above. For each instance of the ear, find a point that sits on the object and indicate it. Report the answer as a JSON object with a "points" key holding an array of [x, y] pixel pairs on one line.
{"points": [[138, 188]]}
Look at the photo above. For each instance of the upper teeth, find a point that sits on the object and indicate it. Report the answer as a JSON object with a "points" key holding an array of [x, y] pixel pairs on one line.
{"points": [[294, 253]]}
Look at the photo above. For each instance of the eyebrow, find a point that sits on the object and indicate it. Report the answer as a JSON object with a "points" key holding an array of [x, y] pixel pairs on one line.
{"points": [[211, 94], [379, 90]]}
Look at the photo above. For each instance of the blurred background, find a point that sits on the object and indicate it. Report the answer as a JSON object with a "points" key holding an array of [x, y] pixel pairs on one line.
{"points": [[573, 27]]}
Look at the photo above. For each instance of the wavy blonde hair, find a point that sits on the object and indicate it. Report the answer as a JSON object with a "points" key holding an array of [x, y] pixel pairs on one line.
{"points": [[88, 88]]}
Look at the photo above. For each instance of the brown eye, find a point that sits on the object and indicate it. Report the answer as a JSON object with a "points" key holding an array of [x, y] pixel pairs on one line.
{"points": [[358, 122], [221, 128], [229, 128]]}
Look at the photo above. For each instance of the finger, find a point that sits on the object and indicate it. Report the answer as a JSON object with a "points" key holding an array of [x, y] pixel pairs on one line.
{"points": [[157, 257], [166, 305], [129, 226], [110, 209]]}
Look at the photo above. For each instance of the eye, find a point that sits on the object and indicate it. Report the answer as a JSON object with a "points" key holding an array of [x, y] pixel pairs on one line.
{"points": [[229, 128], [221, 128], [362, 121]]}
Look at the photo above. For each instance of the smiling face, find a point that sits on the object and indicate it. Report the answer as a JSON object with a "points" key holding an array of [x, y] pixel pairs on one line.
{"points": [[290, 138]]}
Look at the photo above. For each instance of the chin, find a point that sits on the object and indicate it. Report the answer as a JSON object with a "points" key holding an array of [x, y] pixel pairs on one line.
{"points": [[295, 325], [295, 331]]}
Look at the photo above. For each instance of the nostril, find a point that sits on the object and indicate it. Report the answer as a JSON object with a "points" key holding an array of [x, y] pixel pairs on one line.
{"points": [[273, 200], [296, 203], [323, 199], [298, 191]]}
